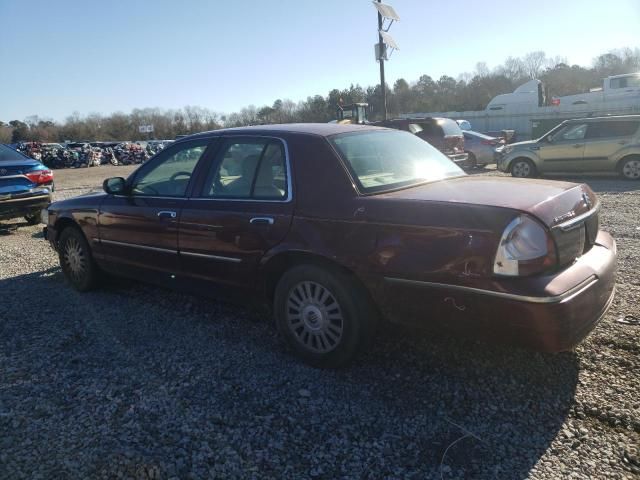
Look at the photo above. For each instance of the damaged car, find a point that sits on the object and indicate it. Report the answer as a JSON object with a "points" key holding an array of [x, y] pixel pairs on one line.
{"points": [[338, 227], [25, 186]]}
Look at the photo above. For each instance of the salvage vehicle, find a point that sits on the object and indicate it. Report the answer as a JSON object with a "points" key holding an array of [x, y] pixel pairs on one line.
{"points": [[442, 133], [480, 148], [339, 226], [354, 113], [582, 145], [25, 186]]}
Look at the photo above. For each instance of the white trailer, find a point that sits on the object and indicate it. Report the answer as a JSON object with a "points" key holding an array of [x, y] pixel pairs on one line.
{"points": [[619, 95]]}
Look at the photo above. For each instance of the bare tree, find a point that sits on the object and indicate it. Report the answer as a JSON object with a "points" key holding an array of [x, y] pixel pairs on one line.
{"points": [[482, 70], [534, 63]]}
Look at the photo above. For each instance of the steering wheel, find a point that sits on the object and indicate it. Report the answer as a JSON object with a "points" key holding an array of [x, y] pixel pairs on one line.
{"points": [[218, 187], [179, 174], [148, 189]]}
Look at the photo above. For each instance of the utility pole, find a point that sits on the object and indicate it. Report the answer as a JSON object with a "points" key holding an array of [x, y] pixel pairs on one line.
{"points": [[382, 51], [384, 41]]}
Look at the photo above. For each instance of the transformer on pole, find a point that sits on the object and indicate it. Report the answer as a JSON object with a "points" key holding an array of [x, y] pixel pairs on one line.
{"points": [[385, 41]]}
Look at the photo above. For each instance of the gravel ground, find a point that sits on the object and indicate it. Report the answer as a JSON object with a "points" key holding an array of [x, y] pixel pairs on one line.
{"points": [[133, 381]]}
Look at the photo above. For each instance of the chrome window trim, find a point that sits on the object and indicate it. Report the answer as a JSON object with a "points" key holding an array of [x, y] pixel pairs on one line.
{"points": [[573, 222], [563, 297], [289, 196], [212, 257]]}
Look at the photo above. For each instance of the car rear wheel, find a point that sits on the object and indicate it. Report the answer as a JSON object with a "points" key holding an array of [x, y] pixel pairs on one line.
{"points": [[34, 218], [630, 168], [76, 260], [523, 168], [472, 161], [323, 315]]}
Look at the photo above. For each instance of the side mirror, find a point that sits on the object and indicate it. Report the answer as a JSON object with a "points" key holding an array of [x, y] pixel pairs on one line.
{"points": [[114, 185], [549, 138]]}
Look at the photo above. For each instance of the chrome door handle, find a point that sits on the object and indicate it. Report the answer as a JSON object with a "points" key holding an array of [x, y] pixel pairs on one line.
{"points": [[166, 214], [622, 142], [577, 145], [261, 221]]}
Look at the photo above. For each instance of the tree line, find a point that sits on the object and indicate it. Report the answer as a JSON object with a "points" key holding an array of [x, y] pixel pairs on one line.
{"points": [[470, 91]]}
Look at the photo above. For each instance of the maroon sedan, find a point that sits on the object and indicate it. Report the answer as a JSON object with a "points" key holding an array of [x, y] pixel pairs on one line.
{"points": [[338, 226]]}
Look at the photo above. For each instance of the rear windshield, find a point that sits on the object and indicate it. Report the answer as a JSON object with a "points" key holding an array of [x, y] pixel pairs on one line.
{"points": [[9, 154], [389, 159], [470, 134], [450, 127]]}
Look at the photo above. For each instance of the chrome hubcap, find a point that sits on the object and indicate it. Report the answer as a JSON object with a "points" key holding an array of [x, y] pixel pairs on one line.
{"points": [[521, 169], [74, 258], [314, 317], [631, 169]]}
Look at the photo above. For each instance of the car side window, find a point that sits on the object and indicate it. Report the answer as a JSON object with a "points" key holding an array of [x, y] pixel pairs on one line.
{"points": [[574, 132], [249, 169], [170, 174], [612, 129]]}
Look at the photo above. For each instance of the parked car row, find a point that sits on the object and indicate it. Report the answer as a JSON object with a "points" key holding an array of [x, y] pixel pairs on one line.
{"points": [[455, 139]]}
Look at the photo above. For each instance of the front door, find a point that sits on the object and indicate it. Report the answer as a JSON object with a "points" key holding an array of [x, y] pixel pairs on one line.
{"points": [[140, 228], [563, 152], [242, 209]]}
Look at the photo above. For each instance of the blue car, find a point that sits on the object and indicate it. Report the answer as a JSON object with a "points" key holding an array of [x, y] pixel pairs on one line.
{"points": [[25, 186]]}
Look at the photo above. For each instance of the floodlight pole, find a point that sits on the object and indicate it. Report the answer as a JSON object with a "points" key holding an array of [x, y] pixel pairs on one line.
{"points": [[381, 53]]}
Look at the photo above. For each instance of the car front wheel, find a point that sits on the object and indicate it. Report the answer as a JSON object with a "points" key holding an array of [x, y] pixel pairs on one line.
{"points": [[76, 260], [630, 168], [523, 168], [34, 219], [323, 315]]}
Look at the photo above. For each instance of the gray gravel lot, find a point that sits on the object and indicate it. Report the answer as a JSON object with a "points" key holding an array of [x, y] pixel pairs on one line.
{"points": [[133, 381]]}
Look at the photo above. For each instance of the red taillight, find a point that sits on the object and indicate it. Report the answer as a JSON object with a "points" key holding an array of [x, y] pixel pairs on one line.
{"points": [[489, 142], [40, 176]]}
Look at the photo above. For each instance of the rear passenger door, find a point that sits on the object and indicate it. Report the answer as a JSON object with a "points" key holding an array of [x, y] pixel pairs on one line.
{"points": [[242, 208], [603, 141]]}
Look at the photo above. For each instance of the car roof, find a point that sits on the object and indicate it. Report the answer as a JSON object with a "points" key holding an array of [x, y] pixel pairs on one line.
{"points": [[611, 118], [473, 133], [318, 129], [625, 75]]}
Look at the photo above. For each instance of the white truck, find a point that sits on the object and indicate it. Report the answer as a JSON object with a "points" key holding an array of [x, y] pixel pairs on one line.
{"points": [[531, 94]]}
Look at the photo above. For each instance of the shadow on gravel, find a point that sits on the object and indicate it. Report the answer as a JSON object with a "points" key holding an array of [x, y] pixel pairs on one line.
{"points": [[496, 408], [133, 378]]}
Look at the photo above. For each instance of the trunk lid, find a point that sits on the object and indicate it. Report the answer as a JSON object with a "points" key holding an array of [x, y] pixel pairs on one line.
{"points": [[552, 202], [568, 209]]}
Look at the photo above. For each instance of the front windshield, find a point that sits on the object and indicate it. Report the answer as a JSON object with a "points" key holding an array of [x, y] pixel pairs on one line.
{"points": [[387, 159]]}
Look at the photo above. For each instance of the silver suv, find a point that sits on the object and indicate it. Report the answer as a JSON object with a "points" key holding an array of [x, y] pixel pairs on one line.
{"points": [[583, 145]]}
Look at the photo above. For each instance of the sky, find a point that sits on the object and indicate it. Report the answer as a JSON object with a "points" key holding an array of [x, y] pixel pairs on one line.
{"points": [[64, 56]]}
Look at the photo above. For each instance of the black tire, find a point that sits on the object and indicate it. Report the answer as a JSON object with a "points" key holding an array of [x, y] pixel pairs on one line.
{"points": [[630, 168], [76, 260], [345, 310], [523, 168], [34, 219], [472, 161]]}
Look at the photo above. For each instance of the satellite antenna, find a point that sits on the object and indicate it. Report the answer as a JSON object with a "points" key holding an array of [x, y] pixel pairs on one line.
{"points": [[385, 13]]}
